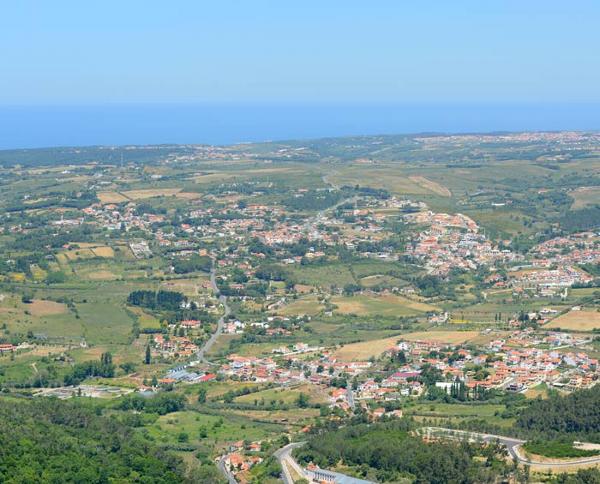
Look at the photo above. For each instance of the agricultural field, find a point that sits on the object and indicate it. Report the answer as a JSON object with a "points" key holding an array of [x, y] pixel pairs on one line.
{"points": [[365, 349], [219, 429], [585, 196], [305, 305], [431, 185], [389, 305], [584, 320]]}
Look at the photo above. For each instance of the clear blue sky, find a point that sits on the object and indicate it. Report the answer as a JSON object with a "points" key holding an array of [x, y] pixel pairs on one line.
{"points": [[115, 51]]}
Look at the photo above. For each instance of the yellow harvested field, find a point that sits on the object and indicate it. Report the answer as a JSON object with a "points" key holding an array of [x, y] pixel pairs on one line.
{"points": [[212, 177], [303, 288], [431, 186], [103, 251], [150, 193], [79, 254], [46, 350], [41, 307], [111, 197], [102, 275], [577, 321], [450, 337], [365, 349], [189, 287], [188, 195], [62, 258]]}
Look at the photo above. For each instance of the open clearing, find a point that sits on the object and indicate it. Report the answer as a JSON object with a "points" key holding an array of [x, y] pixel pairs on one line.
{"points": [[308, 305], [390, 305], [76, 254], [585, 196], [111, 197], [378, 176], [365, 349], [288, 395], [431, 185], [101, 275], [103, 251], [577, 321], [449, 337], [40, 307], [150, 193]]}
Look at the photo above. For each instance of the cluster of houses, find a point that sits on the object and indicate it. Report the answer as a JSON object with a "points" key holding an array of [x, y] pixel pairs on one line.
{"points": [[173, 346], [241, 457], [452, 242], [515, 362]]}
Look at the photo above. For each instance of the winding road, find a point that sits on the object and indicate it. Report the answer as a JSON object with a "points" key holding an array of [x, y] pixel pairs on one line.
{"points": [[286, 461], [201, 354], [513, 446], [223, 468]]}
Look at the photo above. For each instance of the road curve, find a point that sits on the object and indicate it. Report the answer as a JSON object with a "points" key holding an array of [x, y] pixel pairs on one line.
{"points": [[284, 457], [225, 471], [201, 354], [512, 445]]}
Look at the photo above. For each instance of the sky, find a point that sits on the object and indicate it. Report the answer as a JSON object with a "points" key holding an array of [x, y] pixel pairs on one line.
{"points": [[60, 52]]}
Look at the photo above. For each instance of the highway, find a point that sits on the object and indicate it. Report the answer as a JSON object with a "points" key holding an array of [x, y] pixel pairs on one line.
{"points": [[201, 354]]}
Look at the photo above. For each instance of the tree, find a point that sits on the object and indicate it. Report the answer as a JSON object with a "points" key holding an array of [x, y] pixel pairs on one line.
{"points": [[202, 395], [148, 357], [127, 367], [50, 440], [302, 401]]}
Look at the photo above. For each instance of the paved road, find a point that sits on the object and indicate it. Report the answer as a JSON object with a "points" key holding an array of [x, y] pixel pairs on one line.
{"points": [[225, 471], [512, 445], [223, 300], [285, 458], [350, 395]]}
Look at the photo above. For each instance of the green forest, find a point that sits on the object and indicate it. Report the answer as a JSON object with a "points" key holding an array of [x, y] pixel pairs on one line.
{"points": [[46, 440]]}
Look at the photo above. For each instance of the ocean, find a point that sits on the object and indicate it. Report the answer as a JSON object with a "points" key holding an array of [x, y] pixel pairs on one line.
{"points": [[119, 124]]}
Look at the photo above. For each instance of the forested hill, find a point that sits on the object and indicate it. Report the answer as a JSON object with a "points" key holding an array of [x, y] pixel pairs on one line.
{"points": [[576, 416], [46, 440]]}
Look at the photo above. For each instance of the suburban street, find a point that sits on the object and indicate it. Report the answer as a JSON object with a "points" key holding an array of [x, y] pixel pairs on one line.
{"points": [[220, 323], [223, 468], [350, 394]]}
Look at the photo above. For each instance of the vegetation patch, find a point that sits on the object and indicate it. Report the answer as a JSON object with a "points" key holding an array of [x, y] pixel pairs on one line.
{"points": [[435, 187], [557, 449], [389, 305]]}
